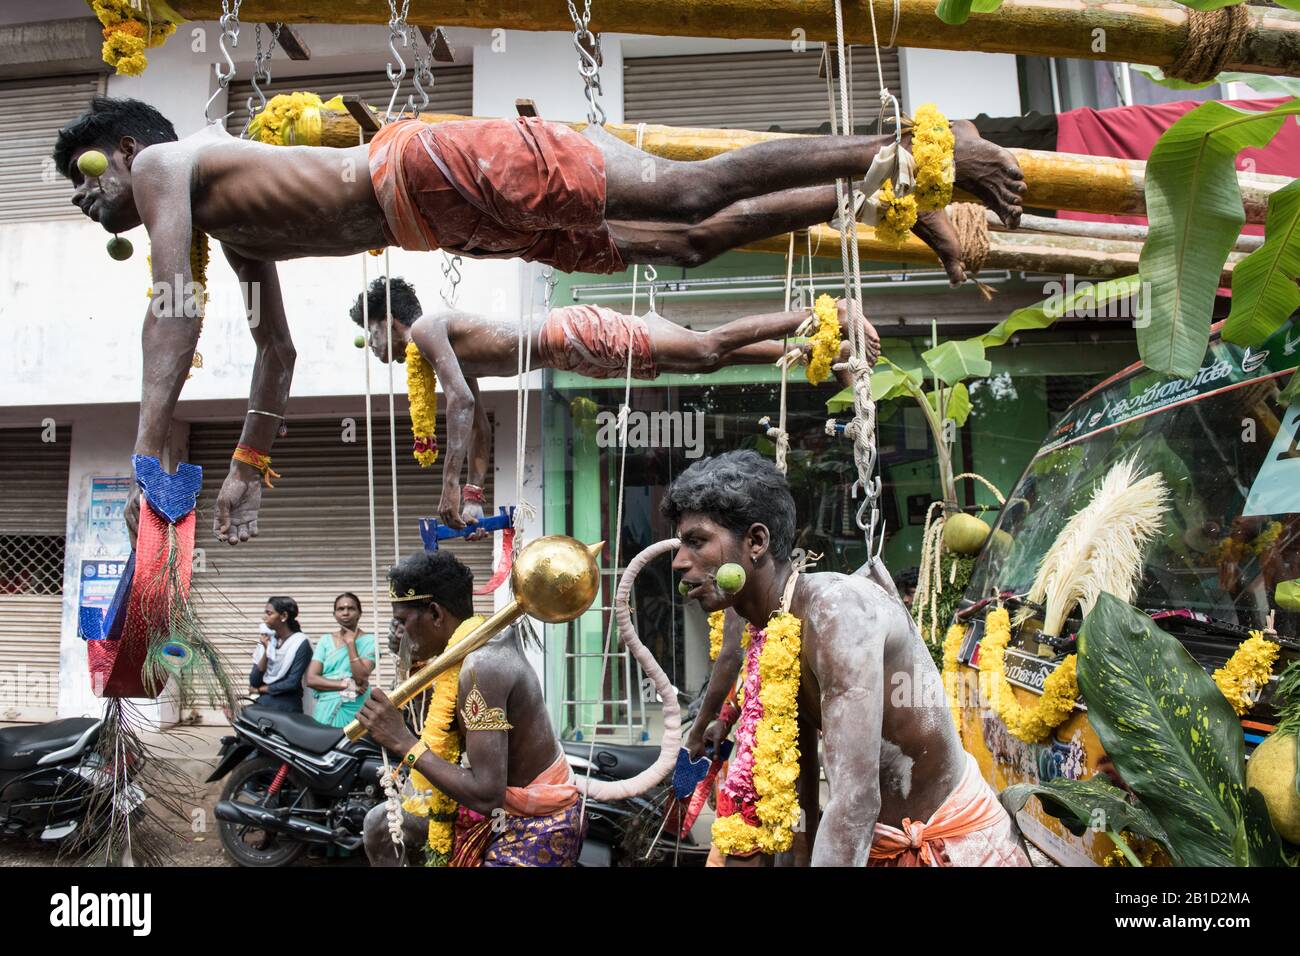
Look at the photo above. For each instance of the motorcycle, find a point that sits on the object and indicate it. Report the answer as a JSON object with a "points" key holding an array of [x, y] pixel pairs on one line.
{"points": [[634, 832], [49, 774], [293, 782]]}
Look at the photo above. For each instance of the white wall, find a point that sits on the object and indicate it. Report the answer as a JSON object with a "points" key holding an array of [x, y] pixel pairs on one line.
{"points": [[543, 67], [962, 85]]}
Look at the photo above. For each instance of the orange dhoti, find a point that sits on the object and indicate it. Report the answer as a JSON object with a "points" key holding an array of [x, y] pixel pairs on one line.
{"points": [[594, 341], [495, 189], [971, 828]]}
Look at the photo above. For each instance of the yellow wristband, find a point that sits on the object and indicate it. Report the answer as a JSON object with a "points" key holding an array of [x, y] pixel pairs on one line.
{"points": [[415, 753]]}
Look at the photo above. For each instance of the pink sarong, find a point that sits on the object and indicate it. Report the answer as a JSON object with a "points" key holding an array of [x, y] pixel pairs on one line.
{"points": [[971, 828], [593, 341], [495, 189]]}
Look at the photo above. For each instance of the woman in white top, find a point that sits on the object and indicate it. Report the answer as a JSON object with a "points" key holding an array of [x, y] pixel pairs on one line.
{"points": [[281, 660]]}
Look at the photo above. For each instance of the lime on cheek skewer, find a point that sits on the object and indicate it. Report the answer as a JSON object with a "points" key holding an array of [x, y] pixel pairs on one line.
{"points": [[730, 578]]}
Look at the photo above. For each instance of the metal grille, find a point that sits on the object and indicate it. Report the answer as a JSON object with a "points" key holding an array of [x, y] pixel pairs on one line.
{"points": [[31, 564], [748, 90]]}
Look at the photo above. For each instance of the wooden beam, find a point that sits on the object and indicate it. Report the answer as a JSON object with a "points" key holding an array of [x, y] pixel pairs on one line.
{"points": [[1132, 31], [292, 42], [1097, 184]]}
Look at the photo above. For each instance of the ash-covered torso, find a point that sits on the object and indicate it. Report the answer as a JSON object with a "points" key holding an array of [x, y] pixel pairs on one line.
{"points": [[279, 202], [921, 757], [487, 345]]}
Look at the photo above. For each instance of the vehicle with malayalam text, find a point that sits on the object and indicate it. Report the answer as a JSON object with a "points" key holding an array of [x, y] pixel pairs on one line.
{"points": [[1228, 447]]}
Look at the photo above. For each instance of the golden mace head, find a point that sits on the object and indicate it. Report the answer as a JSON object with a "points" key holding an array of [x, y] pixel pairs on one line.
{"points": [[556, 578]]}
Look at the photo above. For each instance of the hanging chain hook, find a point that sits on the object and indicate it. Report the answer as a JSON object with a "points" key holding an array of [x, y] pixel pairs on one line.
{"points": [[423, 73], [588, 47], [229, 31], [451, 278], [548, 277], [261, 72], [397, 30]]}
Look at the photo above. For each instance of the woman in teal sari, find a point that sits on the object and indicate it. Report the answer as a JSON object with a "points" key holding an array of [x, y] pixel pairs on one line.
{"points": [[339, 674]]}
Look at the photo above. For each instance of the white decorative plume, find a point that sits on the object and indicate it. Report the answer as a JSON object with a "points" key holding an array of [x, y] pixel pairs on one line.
{"points": [[1101, 548]]}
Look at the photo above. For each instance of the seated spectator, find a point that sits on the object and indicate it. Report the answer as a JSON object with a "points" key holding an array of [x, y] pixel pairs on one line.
{"points": [[281, 660], [339, 674]]}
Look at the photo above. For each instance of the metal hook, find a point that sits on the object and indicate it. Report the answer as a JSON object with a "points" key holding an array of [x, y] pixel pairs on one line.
{"points": [[229, 28], [394, 34]]}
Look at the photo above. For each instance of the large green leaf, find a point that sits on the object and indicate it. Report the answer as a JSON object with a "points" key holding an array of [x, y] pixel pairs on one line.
{"points": [[957, 11], [1167, 728], [1085, 299], [1095, 803], [955, 360], [958, 404], [1263, 845], [1282, 85], [1195, 212], [1264, 292], [888, 381]]}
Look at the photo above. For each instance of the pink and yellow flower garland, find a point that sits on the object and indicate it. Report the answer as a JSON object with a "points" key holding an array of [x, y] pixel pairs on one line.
{"points": [[758, 806]]}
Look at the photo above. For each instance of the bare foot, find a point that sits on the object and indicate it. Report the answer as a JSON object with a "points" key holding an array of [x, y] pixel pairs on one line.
{"points": [[934, 229], [873, 337], [989, 172]]}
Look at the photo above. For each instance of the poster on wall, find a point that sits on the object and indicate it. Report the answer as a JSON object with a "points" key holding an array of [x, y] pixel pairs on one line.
{"points": [[99, 582], [106, 535]]}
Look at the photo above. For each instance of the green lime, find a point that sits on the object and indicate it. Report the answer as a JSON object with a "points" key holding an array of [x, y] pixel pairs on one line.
{"points": [[730, 578], [683, 588], [92, 163], [120, 249], [359, 341]]}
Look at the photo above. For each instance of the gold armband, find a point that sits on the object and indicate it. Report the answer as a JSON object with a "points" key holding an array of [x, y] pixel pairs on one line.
{"points": [[477, 715]]}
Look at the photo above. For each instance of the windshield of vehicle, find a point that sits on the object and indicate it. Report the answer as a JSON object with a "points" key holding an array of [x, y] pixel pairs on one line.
{"points": [[1229, 452]]}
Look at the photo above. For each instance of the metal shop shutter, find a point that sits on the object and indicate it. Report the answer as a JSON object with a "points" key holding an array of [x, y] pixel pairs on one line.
{"points": [[32, 111], [315, 530], [33, 525], [453, 91], [748, 90]]}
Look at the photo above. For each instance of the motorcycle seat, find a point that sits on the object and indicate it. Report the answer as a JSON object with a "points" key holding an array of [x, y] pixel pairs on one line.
{"points": [[22, 747], [299, 729], [616, 761]]}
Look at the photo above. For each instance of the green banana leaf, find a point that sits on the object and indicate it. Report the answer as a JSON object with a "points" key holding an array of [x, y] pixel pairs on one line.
{"points": [[1264, 292], [1167, 728], [1282, 85], [1095, 803], [1204, 5], [1195, 213], [889, 381], [957, 11], [955, 360], [1086, 299], [958, 404]]}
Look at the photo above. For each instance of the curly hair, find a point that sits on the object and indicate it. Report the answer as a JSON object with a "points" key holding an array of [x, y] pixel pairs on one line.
{"points": [[439, 574], [736, 489], [103, 126], [406, 307]]}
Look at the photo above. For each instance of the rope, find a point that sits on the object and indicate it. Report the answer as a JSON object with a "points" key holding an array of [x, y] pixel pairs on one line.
{"points": [[1213, 40], [524, 509], [392, 414], [987, 484], [779, 434], [971, 225]]}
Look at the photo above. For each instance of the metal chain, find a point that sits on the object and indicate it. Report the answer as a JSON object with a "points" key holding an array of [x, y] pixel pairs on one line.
{"points": [[588, 47], [261, 74], [229, 31], [397, 30], [422, 78]]}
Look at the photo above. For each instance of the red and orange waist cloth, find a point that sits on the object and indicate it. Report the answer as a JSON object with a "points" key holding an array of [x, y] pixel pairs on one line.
{"points": [[495, 189], [541, 827]]}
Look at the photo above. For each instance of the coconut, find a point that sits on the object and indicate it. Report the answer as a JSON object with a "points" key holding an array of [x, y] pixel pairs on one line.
{"points": [[963, 533], [1271, 771]]}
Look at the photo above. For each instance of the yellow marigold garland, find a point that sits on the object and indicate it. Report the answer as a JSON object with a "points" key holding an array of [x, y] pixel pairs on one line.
{"points": [[292, 119], [440, 737], [422, 389], [715, 633], [1060, 690], [896, 216], [128, 32], [1247, 671], [776, 749], [932, 148], [825, 341], [951, 676]]}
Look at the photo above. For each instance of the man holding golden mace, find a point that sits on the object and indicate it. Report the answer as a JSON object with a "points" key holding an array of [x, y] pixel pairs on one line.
{"points": [[516, 803]]}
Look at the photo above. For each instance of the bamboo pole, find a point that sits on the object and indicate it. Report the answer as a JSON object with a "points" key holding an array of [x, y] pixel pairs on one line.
{"points": [[1130, 232], [1097, 184], [1132, 31]]}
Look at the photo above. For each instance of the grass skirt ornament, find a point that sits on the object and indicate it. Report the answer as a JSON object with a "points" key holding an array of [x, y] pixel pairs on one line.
{"points": [[149, 637]]}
